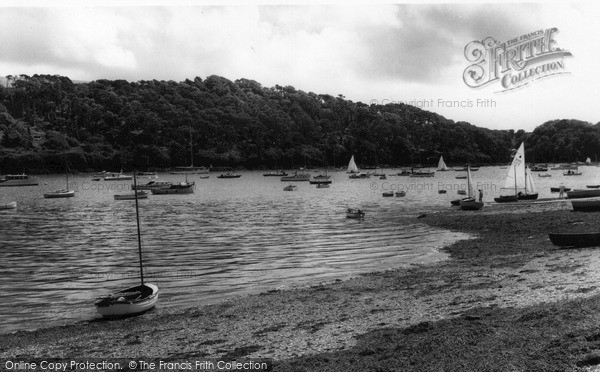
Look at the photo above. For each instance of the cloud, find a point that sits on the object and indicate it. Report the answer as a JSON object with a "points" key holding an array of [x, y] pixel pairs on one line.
{"points": [[384, 51]]}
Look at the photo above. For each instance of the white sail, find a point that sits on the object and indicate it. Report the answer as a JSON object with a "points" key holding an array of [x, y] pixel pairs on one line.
{"points": [[515, 179], [352, 165], [441, 165], [470, 187], [530, 185], [588, 161]]}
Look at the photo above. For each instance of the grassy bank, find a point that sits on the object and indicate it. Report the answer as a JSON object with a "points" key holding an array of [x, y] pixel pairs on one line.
{"points": [[507, 300]]}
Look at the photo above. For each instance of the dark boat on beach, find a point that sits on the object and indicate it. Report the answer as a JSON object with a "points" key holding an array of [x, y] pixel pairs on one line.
{"points": [[557, 189], [457, 201], [583, 193], [522, 196], [586, 205], [576, 240], [507, 198]]}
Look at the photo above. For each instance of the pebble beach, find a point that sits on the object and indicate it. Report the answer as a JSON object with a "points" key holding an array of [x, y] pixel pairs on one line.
{"points": [[506, 299]]}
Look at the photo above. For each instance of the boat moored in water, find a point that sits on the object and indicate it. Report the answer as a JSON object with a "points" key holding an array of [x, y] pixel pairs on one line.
{"points": [[355, 213]]}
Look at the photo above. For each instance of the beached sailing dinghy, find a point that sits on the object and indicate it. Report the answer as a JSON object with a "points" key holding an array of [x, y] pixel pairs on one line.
{"points": [[470, 204], [134, 300]]}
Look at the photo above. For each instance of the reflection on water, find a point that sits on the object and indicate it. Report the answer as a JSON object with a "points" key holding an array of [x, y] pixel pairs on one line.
{"points": [[231, 237]]}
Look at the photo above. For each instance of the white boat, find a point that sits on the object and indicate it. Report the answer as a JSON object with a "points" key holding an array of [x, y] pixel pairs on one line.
{"points": [[519, 183], [470, 204], [11, 205], [117, 177], [442, 165], [131, 301], [132, 196], [62, 193], [352, 168], [355, 213], [134, 300]]}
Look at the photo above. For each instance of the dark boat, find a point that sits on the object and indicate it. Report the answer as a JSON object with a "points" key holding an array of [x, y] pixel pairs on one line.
{"points": [[576, 240], [457, 201], [506, 199], [557, 189], [593, 186], [586, 193], [229, 175], [586, 205], [522, 196], [470, 205]]}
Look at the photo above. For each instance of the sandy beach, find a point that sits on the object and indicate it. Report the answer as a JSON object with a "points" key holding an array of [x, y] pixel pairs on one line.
{"points": [[506, 300]]}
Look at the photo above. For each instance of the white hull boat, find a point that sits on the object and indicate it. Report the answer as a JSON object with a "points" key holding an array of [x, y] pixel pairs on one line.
{"points": [[131, 301], [11, 205]]}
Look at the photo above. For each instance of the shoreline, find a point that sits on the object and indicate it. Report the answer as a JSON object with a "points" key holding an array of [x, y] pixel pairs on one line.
{"points": [[509, 271]]}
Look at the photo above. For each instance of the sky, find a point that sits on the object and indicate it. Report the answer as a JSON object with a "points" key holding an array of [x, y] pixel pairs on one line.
{"points": [[373, 53]]}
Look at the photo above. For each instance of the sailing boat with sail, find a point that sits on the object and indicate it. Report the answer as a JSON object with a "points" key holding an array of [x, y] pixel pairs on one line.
{"points": [[517, 180], [442, 165], [352, 168], [134, 300], [354, 171], [530, 191], [470, 203]]}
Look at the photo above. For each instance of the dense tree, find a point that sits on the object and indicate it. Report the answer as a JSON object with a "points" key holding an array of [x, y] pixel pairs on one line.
{"points": [[108, 124]]}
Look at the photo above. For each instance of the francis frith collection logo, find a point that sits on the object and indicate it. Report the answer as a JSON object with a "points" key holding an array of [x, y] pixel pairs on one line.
{"points": [[516, 62]]}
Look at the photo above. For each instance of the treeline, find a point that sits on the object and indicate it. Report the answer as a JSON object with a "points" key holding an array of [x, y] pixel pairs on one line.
{"points": [[564, 141], [47, 121]]}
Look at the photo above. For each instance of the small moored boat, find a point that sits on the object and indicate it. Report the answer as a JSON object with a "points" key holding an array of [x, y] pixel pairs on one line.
{"points": [[176, 188], [152, 185], [11, 205], [134, 300], [131, 196], [355, 213], [229, 175], [117, 177], [290, 188]]}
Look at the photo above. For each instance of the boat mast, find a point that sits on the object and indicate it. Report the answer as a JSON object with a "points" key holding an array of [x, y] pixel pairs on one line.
{"points": [[469, 180], [191, 147], [137, 218], [515, 180]]}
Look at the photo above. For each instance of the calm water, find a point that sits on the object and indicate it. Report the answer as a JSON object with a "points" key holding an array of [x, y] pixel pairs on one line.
{"points": [[231, 237]]}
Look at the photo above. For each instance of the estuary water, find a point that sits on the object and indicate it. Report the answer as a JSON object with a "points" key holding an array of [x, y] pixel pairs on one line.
{"points": [[231, 237]]}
